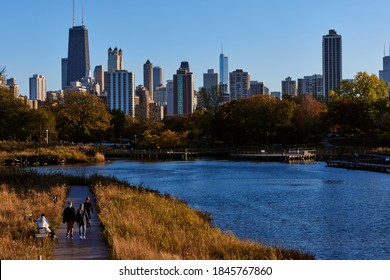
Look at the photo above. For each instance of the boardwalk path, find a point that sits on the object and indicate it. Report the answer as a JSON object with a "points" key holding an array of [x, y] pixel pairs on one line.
{"points": [[94, 247]]}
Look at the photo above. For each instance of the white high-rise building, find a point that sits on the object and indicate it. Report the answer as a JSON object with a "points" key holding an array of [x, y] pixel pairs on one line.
{"points": [[239, 84], [38, 87], [120, 90]]}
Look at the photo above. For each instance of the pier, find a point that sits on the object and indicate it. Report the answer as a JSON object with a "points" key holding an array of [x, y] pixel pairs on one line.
{"points": [[290, 156], [359, 165]]}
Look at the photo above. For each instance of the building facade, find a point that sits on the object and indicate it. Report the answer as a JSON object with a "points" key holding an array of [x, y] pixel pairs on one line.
{"points": [[239, 84], [258, 88], [331, 62], [77, 63], [37, 87], [210, 80], [120, 91], [311, 85], [183, 91], [289, 87]]}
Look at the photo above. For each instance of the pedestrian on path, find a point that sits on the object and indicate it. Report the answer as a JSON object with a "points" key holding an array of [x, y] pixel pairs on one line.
{"points": [[82, 221], [89, 209], [69, 217]]}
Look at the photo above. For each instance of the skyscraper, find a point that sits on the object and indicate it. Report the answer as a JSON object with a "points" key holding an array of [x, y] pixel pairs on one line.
{"points": [[224, 73], [331, 62], [115, 60], [384, 74], [239, 84], [78, 64], [38, 87], [148, 78], [183, 90], [158, 77]]}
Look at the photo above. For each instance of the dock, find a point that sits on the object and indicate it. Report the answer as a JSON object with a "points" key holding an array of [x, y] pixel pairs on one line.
{"points": [[356, 165], [276, 157]]}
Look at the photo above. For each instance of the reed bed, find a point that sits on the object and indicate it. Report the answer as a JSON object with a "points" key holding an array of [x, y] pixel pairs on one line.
{"points": [[24, 196], [53, 155], [144, 225]]}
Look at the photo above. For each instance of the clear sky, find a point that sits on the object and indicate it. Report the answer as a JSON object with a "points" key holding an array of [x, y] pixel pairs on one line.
{"points": [[270, 39]]}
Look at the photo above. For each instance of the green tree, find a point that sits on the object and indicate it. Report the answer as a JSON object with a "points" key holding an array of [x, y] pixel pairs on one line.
{"points": [[81, 117], [356, 105], [39, 121], [14, 117], [118, 124]]}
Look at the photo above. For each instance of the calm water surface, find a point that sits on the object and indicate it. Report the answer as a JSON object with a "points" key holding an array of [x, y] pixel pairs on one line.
{"points": [[330, 212]]}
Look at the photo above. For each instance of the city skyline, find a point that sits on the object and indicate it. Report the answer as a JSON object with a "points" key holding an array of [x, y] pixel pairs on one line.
{"points": [[272, 41]]}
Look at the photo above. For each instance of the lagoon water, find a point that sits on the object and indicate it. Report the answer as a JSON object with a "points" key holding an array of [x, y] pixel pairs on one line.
{"points": [[332, 213]]}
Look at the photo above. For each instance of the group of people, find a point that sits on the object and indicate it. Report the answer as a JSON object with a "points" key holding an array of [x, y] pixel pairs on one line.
{"points": [[82, 217]]}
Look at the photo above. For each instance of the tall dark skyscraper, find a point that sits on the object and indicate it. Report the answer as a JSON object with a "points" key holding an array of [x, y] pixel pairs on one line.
{"points": [[183, 90], [78, 64], [331, 62]]}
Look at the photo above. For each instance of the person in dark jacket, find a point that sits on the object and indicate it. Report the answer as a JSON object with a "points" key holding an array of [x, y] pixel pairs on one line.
{"points": [[89, 209], [82, 221], [69, 217]]}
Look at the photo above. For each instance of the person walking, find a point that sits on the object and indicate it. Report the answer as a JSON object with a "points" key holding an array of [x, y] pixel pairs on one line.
{"points": [[82, 221], [89, 209], [69, 217]]}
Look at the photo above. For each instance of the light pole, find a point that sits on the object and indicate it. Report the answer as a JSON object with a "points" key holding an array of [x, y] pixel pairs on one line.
{"points": [[47, 136]]}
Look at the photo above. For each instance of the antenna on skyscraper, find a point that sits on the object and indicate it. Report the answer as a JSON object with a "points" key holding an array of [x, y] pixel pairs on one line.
{"points": [[221, 47], [73, 14], [83, 12]]}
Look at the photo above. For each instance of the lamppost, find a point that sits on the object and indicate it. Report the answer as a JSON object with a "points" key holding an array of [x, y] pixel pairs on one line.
{"points": [[47, 136]]}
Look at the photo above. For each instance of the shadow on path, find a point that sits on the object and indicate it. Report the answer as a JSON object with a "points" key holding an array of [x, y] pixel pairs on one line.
{"points": [[92, 248]]}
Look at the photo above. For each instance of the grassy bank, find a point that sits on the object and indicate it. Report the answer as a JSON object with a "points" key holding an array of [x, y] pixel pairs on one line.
{"points": [[50, 155], [24, 196], [137, 223], [141, 224]]}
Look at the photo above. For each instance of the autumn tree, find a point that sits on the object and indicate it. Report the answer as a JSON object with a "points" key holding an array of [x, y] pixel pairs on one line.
{"points": [[356, 105], [81, 117]]}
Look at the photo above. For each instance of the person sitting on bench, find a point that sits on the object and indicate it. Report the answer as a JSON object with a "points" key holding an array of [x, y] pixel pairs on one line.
{"points": [[44, 227]]}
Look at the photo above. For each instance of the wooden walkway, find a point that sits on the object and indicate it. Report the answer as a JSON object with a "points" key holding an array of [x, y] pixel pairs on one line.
{"points": [[92, 248]]}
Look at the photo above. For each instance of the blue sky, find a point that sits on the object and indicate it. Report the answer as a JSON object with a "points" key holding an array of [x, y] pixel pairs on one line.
{"points": [[270, 39]]}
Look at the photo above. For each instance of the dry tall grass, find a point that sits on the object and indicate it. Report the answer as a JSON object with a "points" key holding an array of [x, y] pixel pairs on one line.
{"points": [[140, 224], [23, 198]]}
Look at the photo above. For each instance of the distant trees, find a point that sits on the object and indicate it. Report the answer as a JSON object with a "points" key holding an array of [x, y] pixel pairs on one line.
{"points": [[258, 119], [359, 107]]}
